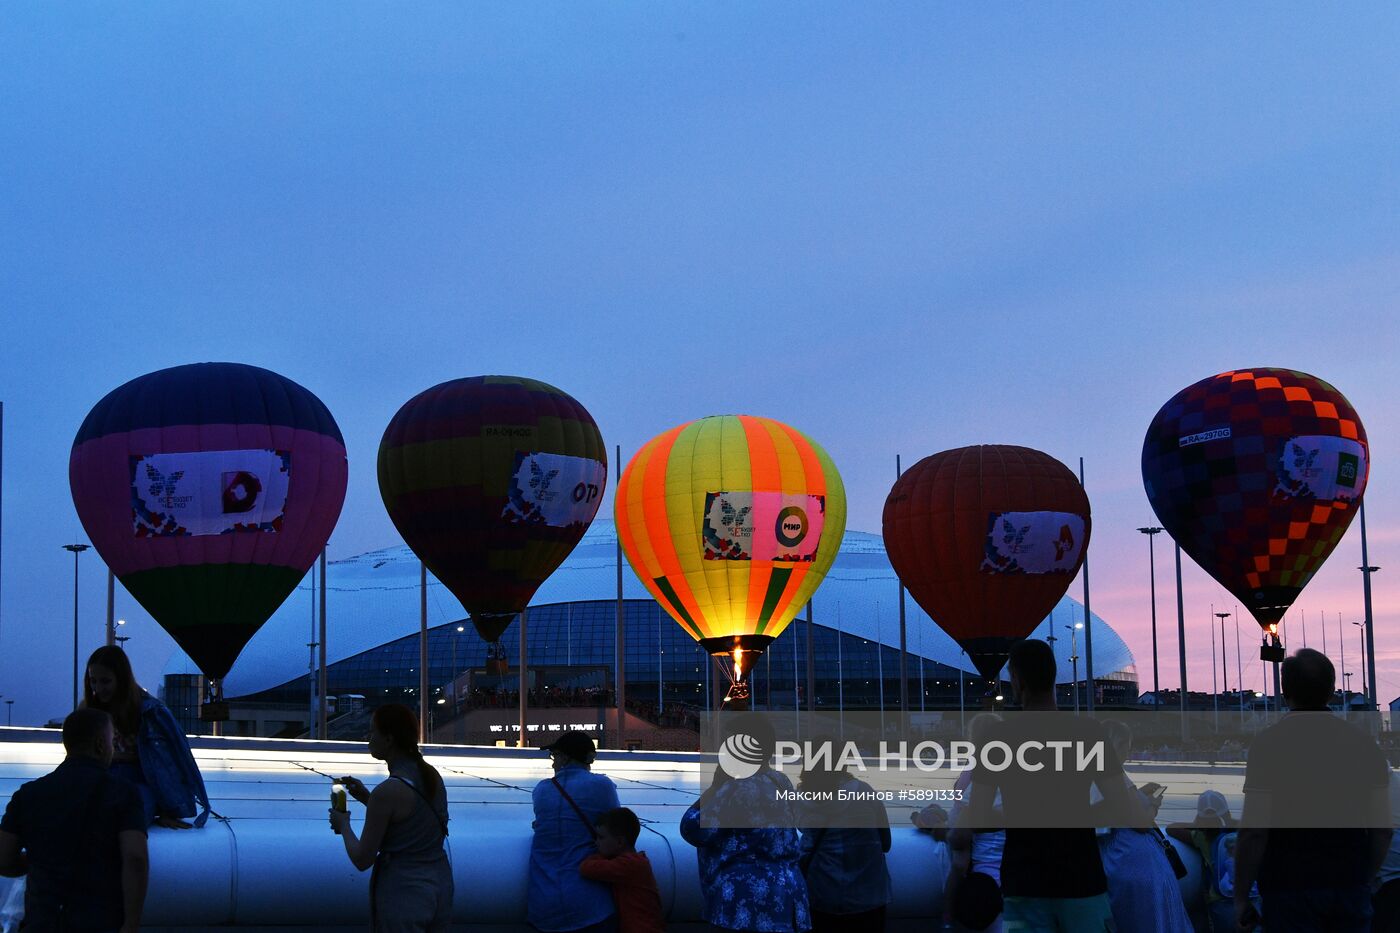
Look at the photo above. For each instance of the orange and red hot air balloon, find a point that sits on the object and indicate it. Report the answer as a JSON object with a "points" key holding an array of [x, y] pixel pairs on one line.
{"points": [[731, 522], [987, 540]]}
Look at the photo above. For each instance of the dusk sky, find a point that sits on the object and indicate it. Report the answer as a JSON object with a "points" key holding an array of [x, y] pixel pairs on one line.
{"points": [[899, 228]]}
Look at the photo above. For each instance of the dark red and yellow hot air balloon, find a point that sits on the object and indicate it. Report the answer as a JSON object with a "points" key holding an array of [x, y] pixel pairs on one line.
{"points": [[731, 522], [209, 490], [987, 540], [492, 481], [1257, 473]]}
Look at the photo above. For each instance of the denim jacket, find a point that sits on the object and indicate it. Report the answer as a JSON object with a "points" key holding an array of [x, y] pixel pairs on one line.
{"points": [[169, 766]]}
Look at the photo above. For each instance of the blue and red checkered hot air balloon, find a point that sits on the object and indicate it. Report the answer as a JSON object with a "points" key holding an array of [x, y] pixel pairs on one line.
{"points": [[209, 490], [1257, 473]]}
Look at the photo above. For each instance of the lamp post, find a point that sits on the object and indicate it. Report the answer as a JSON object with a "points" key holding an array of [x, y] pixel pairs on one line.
{"points": [[1361, 637], [76, 549], [1224, 654], [1152, 531], [1214, 685], [1346, 693], [455, 672], [1366, 571], [1369, 642], [1074, 658]]}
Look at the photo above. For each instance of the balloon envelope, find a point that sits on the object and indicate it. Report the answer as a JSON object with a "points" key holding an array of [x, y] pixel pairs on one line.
{"points": [[987, 540], [1257, 474], [209, 490], [492, 481], [731, 522]]}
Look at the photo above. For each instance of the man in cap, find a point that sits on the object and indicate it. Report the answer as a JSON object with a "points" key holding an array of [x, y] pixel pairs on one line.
{"points": [[567, 806]]}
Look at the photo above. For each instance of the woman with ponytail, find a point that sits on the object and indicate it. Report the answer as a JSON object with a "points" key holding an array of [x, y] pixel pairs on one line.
{"points": [[404, 833]]}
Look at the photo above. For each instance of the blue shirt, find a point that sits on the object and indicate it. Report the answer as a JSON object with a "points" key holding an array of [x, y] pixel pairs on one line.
{"points": [[559, 897], [749, 877], [68, 822]]}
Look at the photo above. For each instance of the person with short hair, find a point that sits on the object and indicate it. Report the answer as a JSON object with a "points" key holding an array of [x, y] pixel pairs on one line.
{"points": [[79, 834], [1316, 823], [405, 831], [567, 806], [1052, 876], [618, 864], [151, 750], [845, 836]]}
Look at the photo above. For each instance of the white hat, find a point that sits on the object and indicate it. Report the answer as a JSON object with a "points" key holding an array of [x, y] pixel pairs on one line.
{"points": [[1211, 804]]}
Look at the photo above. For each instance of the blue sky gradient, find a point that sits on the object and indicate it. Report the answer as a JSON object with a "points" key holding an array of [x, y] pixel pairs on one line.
{"points": [[901, 229]]}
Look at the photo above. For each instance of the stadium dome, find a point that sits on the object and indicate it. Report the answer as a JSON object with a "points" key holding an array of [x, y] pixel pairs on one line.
{"points": [[373, 608]]}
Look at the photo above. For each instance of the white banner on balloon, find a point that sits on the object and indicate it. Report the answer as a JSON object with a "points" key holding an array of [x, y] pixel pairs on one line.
{"points": [[209, 492], [1322, 467], [1033, 542], [554, 489], [763, 526]]}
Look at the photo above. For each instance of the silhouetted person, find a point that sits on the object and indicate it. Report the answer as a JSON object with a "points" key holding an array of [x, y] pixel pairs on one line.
{"points": [[79, 834], [844, 842], [1052, 877], [619, 865], [566, 808], [150, 749], [404, 834], [746, 844], [1316, 821]]}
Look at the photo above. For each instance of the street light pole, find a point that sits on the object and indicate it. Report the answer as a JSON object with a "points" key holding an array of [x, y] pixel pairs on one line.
{"points": [[1181, 640], [1361, 637], [1152, 532], [1366, 571], [1214, 687], [1224, 654], [76, 549], [1074, 659]]}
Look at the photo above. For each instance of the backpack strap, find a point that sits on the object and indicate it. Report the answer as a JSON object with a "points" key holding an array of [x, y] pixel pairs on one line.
{"points": [[442, 824], [583, 818]]}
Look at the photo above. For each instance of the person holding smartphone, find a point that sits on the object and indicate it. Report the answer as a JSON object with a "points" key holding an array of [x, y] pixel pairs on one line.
{"points": [[1143, 890]]}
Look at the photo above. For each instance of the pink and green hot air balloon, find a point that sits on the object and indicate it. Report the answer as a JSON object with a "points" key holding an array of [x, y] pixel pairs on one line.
{"points": [[209, 490]]}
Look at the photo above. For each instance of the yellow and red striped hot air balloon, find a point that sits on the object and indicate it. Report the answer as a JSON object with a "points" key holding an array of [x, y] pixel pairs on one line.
{"points": [[731, 522]]}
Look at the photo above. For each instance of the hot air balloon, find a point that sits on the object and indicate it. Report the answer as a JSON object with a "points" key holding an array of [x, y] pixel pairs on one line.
{"points": [[209, 490], [1257, 473], [492, 481], [987, 539], [731, 522]]}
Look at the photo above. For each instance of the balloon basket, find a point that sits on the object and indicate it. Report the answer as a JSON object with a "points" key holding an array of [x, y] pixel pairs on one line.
{"points": [[497, 667], [214, 709], [737, 698], [1272, 650]]}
